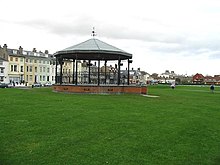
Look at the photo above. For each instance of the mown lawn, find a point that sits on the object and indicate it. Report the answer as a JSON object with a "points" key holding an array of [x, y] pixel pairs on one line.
{"points": [[181, 126]]}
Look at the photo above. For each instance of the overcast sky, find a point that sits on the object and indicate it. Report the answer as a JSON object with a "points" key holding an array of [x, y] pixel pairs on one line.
{"points": [[177, 35]]}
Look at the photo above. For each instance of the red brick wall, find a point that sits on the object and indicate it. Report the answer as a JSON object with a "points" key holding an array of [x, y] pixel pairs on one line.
{"points": [[100, 89]]}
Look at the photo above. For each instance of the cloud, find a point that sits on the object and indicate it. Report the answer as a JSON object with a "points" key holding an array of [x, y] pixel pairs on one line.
{"points": [[61, 27], [157, 36], [215, 55], [154, 31]]}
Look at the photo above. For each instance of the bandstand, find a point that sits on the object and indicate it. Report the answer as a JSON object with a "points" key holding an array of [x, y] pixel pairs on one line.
{"points": [[95, 50]]}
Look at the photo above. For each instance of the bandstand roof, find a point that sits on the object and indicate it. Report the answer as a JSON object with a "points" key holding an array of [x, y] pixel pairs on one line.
{"points": [[93, 49]]}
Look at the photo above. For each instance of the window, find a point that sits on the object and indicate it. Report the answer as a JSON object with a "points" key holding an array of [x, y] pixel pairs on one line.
{"points": [[35, 78], [40, 78], [35, 69], [31, 77], [30, 68], [43, 62], [35, 61], [1, 78], [48, 78], [27, 78], [40, 69], [26, 60], [27, 69], [21, 59], [1, 62], [48, 70], [30, 60], [25, 53], [15, 52], [43, 78], [12, 68], [15, 68], [11, 58], [44, 69], [22, 69], [30, 53], [16, 59], [1, 70]]}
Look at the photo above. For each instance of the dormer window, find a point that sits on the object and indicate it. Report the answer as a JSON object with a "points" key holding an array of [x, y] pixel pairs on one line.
{"points": [[15, 52]]}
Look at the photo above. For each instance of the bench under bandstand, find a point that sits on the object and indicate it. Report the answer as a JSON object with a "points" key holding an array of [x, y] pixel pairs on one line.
{"points": [[94, 50]]}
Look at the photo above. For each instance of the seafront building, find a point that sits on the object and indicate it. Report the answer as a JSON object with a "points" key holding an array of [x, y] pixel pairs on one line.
{"points": [[27, 67], [22, 67], [3, 70]]}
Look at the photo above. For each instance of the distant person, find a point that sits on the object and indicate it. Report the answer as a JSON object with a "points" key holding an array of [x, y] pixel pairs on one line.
{"points": [[173, 86], [212, 88]]}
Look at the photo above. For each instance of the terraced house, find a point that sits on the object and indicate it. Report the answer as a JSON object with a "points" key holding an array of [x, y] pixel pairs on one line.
{"points": [[28, 67], [3, 70]]}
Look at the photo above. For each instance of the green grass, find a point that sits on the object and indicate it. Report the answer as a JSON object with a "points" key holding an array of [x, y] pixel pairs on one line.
{"points": [[182, 126]]}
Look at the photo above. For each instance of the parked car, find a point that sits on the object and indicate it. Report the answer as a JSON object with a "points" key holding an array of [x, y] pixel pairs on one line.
{"points": [[10, 85], [36, 85], [3, 85], [47, 84]]}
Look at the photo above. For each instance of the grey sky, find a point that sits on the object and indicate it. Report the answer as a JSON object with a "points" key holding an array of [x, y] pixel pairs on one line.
{"points": [[178, 35]]}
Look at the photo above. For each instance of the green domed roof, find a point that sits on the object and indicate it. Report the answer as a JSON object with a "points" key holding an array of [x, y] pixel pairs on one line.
{"points": [[93, 49]]}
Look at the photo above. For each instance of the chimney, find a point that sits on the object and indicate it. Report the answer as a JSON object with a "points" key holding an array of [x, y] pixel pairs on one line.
{"points": [[5, 47], [46, 52], [20, 50], [34, 50]]}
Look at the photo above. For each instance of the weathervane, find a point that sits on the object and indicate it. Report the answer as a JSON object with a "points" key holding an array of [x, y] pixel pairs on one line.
{"points": [[93, 32]]}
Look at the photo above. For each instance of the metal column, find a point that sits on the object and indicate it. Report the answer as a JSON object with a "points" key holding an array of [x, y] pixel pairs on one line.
{"points": [[76, 72], [119, 65], [73, 71], [61, 71], [89, 71], [56, 71], [105, 70], [98, 72]]}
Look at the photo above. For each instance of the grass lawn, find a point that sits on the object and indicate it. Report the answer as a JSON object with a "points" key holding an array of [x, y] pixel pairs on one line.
{"points": [[181, 126]]}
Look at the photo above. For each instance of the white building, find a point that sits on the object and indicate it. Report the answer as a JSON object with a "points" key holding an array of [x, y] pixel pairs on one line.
{"points": [[4, 71], [28, 67]]}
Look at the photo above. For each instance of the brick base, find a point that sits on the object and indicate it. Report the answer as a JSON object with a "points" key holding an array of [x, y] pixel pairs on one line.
{"points": [[100, 89]]}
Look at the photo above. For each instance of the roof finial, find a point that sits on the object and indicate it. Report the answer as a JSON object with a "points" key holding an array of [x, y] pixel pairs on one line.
{"points": [[93, 32]]}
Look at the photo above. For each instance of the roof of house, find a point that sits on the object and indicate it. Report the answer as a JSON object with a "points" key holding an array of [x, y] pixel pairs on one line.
{"points": [[198, 76], [94, 49], [2, 59]]}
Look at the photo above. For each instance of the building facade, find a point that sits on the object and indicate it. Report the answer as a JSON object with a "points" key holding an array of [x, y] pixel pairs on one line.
{"points": [[4, 71], [198, 79], [28, 67]]}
